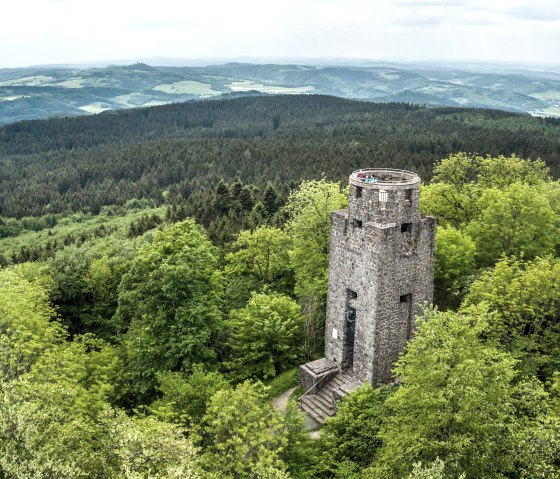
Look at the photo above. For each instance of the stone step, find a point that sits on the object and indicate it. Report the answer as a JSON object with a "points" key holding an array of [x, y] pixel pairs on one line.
{"points": [[320, 406], [316, 409], [313, 414], [325, 398], [337, 382]]}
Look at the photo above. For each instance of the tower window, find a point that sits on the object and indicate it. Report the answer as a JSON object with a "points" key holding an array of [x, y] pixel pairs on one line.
{"points": [[357, 223], [406, 227], [383, 196], [358, 191], [405, 298], [351, 294], [408, 194]]}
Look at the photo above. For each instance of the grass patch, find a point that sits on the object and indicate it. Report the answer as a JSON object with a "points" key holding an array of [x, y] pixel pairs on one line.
{"points": [[96, 107], [550, 95], [388, 75], [187, 87], [28, 81], [73, 83], [247, 85], [551, 111], [284, 381]]}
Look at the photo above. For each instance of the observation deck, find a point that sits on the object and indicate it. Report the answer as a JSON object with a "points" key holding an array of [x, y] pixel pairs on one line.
{"points": [[383, 178]]}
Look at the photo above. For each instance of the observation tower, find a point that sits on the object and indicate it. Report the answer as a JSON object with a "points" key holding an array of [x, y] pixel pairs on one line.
{"points": [[380, 273]]}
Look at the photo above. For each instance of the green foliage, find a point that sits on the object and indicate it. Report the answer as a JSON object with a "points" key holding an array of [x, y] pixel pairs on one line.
{"points": [[502, 172], [168, 305], [525, 297], [435, 470], [31, 244], [537, 437], [538, 449], [55, 416], [101, 283], [505, 206], [555, 392], [259, 260], [265, 337], [26, 329], [242, 434], [87, 278], [455, 401], [147, 448], [517, 220], [300, 451], [64, 163], [44, 434], [282, 382], [309, 209], [87, 366], [454, 262], [184, 399], [351, 439]]}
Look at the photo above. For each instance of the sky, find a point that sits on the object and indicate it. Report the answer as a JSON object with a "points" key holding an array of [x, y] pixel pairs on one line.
{"points": [[37, 32]]}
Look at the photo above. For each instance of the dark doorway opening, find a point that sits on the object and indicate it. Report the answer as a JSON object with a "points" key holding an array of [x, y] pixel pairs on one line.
{"points": [[349, 337]]}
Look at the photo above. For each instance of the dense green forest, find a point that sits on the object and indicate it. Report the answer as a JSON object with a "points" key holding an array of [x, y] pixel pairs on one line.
{"points": [[84, 163], [144, 336]]}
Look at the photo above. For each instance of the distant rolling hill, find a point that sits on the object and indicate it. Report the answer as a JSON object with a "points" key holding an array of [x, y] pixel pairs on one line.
{"points": [[41, 92]]}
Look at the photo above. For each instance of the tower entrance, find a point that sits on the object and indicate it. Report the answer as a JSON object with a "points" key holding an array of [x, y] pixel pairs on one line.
{"points": [[349, 337]]}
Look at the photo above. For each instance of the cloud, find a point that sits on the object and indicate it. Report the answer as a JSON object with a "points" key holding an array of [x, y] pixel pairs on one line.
{"points": [[63, 31], [417, 20], [536, 12], [429, 3]]}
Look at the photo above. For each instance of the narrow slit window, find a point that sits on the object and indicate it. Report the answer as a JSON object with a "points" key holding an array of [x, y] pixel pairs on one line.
{"points": [[408, 194], [351, 294], [358, 191], [357, 223], [383, 196], [406, 227]]}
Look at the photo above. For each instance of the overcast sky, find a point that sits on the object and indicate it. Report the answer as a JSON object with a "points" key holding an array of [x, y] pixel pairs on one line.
{"points": [[72, 31]]}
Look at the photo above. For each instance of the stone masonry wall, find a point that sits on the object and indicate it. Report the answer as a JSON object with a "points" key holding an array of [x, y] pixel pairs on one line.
{"points": [[383, 270]]}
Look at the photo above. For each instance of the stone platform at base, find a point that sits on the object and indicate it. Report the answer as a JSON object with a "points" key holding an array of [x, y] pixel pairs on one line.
{"points": [[314, 375]]}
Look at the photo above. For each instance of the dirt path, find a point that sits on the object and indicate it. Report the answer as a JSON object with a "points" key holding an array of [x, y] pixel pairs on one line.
{"points": [[281, 401]]}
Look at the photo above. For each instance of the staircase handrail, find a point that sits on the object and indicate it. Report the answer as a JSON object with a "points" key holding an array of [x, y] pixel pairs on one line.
{"points": [[314, 385]]}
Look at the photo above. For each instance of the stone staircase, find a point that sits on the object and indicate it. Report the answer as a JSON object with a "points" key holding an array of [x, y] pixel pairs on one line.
{"points": [[321, 405]]}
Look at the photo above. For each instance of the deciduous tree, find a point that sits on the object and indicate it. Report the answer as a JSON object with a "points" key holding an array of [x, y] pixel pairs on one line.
{"points": [[168, 305], [455, 401], [265, 337]]}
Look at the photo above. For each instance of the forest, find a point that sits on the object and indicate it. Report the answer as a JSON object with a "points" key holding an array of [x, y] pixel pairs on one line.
{"points": [[166, 153], [145, 330]]}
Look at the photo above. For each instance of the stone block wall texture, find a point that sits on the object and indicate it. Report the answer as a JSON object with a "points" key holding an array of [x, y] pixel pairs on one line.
{"points": [[314, 375], [381, 272]]}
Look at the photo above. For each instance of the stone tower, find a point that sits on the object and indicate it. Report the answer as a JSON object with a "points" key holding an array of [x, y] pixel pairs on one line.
{"points": [[381, 271]]}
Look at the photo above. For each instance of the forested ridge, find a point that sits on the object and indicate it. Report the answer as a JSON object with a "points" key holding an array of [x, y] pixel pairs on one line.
{"points": [[76, 164], [144, 333]]}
